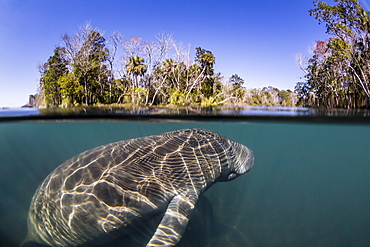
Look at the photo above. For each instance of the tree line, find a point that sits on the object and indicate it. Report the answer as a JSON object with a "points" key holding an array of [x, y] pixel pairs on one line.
{"points": [[85, 70], [338, 73]]}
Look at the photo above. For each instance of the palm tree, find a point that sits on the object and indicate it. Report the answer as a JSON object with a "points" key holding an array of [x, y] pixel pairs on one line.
{"points": [[135, 67], [206, 59]]}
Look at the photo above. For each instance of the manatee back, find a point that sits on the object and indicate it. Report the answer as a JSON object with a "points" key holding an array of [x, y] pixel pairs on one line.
{"points": [[109, 187]]}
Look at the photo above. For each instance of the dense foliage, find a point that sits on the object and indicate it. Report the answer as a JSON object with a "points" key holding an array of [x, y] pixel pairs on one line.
{"points": [[84, 70], [338, 74]]}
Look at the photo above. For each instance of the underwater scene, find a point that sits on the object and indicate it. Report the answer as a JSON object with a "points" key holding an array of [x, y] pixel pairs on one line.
{"points": [[309, 185]]}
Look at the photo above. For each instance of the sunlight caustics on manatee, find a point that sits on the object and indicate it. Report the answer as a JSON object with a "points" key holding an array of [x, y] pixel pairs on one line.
{"points": [[109, 187]]}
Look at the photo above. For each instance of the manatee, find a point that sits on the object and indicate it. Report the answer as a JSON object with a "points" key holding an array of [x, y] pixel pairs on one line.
{"points": [[114, 186]]}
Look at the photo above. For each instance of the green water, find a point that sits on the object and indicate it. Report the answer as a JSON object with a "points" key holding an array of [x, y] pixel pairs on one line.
{"points": [[310, 184]]}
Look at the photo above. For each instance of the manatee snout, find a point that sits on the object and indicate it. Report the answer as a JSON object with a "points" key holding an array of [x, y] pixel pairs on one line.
{"points": [[248, 160], [244, 159]]}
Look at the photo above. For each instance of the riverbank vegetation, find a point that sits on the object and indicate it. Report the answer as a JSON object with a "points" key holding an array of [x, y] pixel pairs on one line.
{"points": [[338, 73], [90, 69], [87, 70]]}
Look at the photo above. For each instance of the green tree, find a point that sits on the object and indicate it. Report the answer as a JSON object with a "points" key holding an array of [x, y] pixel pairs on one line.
{"points": [[236, 82], [167, 78], [284, 98], [206, 60], [52, 71], [70, 89], [90, 67], [135, 67], [338, 73]]}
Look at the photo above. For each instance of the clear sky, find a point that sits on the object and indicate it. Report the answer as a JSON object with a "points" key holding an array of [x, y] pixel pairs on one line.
{"points": [[256, 39]]}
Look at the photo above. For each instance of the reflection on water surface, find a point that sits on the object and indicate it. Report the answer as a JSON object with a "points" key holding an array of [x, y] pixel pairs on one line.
{"points": [[182, 112]]}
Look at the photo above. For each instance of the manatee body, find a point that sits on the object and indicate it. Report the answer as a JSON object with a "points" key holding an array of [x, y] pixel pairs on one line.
{"points": [[113, 186]]}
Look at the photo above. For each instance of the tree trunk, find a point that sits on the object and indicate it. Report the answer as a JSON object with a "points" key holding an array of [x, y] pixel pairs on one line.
{"points": [[86, 95], [192, 86]]}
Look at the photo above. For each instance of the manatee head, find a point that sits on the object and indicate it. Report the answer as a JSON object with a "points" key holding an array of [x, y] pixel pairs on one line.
{"points": [[240, 161]]}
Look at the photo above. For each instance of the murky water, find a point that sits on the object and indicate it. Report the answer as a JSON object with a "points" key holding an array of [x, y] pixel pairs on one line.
{"points": [[309, 186]]}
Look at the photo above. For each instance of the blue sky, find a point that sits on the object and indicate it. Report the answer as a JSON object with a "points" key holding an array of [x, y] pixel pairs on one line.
{"points": [[255, 39]]}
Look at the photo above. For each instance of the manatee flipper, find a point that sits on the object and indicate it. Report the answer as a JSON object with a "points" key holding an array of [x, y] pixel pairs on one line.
{"points": [[174, 222]]}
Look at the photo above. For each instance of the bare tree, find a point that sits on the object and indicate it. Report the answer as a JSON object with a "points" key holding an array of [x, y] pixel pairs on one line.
{"points": [[132, 47], [74, 43], [148, 49], [163, 46], [182, 53], [115, 40], [301, 61]]}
